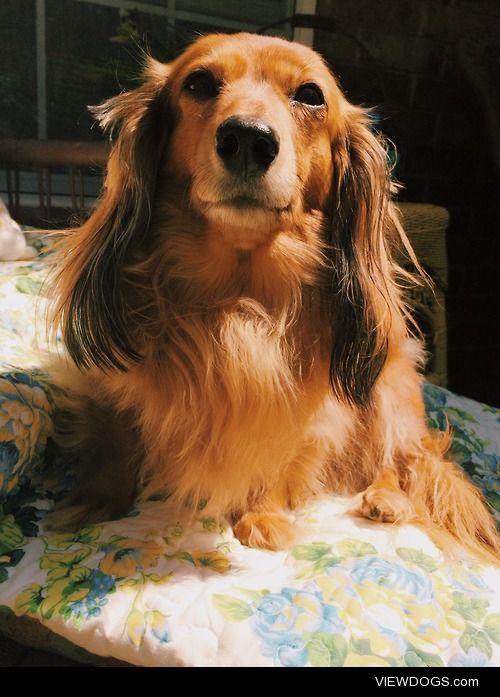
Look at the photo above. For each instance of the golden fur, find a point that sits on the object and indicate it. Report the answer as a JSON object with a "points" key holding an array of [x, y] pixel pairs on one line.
{"points": [[241, 341]]}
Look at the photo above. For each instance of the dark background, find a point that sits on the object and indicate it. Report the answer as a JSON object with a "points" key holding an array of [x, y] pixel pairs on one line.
{"points": [[431, 68], [436, 83]]}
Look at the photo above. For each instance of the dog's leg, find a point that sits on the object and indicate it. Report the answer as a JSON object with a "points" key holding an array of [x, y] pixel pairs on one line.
{"points": [[106, 447], [450, 504], [266, 529], [435, 494], [413, 480], [267, 524], [385, 502]]}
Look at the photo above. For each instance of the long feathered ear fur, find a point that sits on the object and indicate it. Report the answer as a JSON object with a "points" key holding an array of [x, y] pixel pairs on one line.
{"points": [[365, 297], [92, 310]]}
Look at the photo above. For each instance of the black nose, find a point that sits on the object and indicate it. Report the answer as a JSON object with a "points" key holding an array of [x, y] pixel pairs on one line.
{"points": [[246, 146]]}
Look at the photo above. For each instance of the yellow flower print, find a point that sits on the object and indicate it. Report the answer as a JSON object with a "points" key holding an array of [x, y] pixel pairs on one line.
{"points": [[23, 430], [61, 564], [38, 397], [158, 625], [65, 540], [17, 411], [456, 623], [213, 560], [366, 623], [172, 533], [59, 596], [27, 435], [152, 621], [136, 627], [5, 433], [7, 388], [434, 624], [371, 593], [136, 583], [23, 417], [125, 557], [67, 590], [30, 395]]}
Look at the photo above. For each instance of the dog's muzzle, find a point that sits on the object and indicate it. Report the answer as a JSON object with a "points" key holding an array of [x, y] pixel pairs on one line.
{"points": [[247, 147]]}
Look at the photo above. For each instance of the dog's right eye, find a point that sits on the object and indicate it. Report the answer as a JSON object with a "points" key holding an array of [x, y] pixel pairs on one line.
{"points": [[310, 95], [202, 85]]}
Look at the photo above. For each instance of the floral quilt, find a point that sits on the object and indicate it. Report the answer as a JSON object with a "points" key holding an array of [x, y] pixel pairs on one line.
{"points": [[150, 590]]}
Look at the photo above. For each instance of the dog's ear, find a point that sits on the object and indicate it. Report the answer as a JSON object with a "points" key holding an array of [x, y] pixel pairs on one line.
{"points": [[364, 299], [93, 310]]}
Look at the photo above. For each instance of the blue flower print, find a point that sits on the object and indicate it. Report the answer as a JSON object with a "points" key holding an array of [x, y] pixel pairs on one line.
{"points": [[394, 576]]}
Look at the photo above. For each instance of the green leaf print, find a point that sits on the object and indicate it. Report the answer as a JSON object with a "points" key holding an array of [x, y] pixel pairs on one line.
{"points": [[460, 416], [476, 638], [114, 540], [311, 552], [355, 548], [361, 647], [416, 556], [232, 608], [213, 525], [11, 535], [419, 659], [29, 600], [327, 650], [253, 594], [319, 566], [28, 285], [494, 500], [473, 609], [209, 524], [464, 444], [63, 541], [59, 595], [60, 564], [492, 627]]}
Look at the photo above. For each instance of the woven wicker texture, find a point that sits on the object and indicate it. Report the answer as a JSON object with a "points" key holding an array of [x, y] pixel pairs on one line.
{"points": [[426, 225]]}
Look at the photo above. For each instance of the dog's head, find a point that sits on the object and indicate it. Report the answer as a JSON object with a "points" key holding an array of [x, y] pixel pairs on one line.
{"points": [[254, 118], [250, 134]]}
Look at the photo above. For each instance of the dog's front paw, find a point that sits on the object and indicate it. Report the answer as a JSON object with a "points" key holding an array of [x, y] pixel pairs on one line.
{"points": [[265, 530], [384, 505]]}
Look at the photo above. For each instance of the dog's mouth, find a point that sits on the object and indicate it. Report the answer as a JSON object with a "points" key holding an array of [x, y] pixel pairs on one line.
{"points": [[245, 213], [244, 202], [245, 220]]}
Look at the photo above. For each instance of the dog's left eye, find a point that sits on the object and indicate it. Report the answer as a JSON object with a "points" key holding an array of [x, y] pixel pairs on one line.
{"points": [[202, 85], [309, 94]]}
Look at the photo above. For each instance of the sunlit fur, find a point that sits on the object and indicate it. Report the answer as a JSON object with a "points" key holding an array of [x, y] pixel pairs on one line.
{"points": [[246, 356]]}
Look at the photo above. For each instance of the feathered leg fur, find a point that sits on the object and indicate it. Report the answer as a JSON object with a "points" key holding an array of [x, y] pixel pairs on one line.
{"points": [[415, 483]]}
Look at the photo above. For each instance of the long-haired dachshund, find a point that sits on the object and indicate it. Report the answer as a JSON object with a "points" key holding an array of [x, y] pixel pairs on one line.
{"points": [[232, 310]]}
